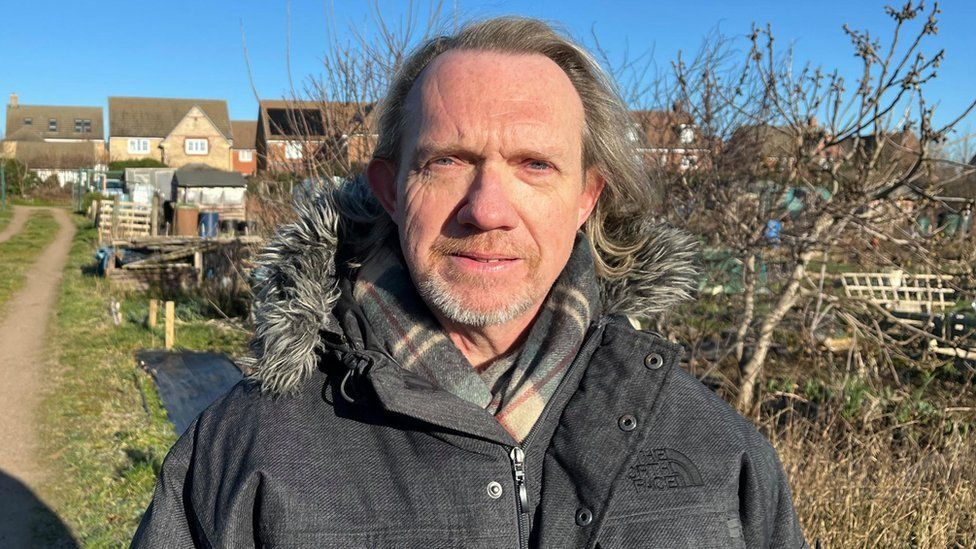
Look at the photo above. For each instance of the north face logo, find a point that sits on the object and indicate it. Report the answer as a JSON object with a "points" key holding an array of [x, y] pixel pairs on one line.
{"points": [[663, 469]]}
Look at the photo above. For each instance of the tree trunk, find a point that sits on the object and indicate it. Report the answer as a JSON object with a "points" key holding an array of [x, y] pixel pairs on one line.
{"points": [[749, 292], [787, 299]]}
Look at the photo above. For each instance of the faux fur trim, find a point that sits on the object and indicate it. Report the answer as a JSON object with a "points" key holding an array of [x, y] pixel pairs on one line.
{"points": [[297, 287]]}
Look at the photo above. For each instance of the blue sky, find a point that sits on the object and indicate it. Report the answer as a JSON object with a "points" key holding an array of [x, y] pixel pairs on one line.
{"points": [[79, 53]]}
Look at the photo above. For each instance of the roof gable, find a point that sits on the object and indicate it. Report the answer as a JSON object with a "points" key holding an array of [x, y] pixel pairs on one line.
{"points": [[157, 117], [189, 120]]}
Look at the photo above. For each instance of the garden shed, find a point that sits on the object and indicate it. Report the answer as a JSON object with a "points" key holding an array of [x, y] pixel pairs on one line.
{"points": [[212, 190]]}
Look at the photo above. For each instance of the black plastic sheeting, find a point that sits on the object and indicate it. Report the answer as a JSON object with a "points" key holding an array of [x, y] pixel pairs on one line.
{"points": [[189, 381]]}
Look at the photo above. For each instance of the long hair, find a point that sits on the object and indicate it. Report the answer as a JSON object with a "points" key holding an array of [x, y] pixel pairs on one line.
{"points": [[608, 139]]}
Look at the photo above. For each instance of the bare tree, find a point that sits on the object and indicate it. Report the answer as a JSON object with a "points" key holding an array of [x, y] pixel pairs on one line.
{"points": [[803, 164]]}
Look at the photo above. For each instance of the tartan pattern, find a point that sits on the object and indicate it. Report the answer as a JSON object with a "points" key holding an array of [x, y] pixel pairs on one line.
{"points": [[515, 387]]}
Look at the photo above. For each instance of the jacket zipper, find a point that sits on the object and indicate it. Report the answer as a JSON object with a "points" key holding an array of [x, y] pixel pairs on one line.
{"points": [[517, 456]]}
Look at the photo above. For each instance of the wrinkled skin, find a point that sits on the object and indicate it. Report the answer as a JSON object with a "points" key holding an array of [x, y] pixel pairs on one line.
{"points": [[490, 191]]}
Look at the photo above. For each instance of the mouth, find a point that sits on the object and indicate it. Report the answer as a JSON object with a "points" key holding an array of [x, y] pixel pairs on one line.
{"points": [[483, 263], [481, 257]]}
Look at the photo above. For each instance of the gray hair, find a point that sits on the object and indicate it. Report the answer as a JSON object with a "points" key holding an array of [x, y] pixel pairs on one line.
{"points": [[608, 145]]}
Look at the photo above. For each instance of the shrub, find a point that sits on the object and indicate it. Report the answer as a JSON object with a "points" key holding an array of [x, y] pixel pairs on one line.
{"points": [[140, 163]]}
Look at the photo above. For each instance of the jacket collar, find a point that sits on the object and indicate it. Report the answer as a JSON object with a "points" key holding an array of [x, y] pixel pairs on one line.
{"points": [[302, 306]]}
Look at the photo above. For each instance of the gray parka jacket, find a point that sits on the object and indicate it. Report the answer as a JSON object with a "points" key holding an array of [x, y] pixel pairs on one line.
{"points": [[333, 445]]}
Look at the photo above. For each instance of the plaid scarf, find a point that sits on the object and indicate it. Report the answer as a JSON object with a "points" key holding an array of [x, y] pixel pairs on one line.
{"points": [[515, 387]]}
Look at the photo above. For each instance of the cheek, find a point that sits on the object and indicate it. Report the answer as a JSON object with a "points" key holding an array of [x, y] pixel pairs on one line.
{"points": [[423, 211], [550, 214]]}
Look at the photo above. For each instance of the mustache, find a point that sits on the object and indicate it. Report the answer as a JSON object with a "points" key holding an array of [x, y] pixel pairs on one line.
{"points": [[489, 243]]}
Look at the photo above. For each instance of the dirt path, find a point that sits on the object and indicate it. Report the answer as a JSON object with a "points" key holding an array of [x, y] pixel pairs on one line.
{"points": [[23, 326], [16, 223]]}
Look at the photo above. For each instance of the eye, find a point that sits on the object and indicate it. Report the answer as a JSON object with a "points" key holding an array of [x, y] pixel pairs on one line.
{"points": [[443, 161], [538, 165]]}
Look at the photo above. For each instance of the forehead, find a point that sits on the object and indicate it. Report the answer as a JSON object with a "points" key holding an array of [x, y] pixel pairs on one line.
{"points": [[463, 92]]}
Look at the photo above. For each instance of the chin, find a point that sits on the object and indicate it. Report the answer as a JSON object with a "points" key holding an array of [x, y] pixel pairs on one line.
{"points": [[473, 311]]}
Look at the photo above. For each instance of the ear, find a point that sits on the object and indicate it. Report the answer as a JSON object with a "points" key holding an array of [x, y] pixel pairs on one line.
{"points": [[592, 189], [381, 177]]}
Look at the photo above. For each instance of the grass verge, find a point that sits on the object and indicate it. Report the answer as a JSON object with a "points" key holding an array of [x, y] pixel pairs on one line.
{"points": [[18, 253], [6, 215], [105, 431]]}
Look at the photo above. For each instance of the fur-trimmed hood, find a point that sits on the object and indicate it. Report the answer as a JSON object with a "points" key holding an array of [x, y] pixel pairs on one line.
{"points": [[299, 284]]}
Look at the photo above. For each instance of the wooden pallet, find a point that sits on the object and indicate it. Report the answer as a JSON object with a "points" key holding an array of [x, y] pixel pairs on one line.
{"points": [[122, 220]]}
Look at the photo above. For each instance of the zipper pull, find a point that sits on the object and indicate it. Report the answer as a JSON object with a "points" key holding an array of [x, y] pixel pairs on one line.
{"points": [[518, 468]]}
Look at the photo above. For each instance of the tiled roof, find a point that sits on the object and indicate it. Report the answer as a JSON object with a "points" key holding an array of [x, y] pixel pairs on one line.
{"points": [[311, 119], [40, 117], [156, 117], [245, 133]]}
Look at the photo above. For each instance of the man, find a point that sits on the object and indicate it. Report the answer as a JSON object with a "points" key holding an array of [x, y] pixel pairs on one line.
{"points": [[441, 353]]}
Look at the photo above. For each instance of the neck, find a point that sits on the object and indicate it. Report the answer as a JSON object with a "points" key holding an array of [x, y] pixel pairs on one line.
{"points": [[482, 345]]}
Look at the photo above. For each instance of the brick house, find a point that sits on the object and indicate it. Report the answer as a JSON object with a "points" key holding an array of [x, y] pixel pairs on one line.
{"points": [[54, 140], [244, 152], [670, 139], [301, 136], [176, 132]]}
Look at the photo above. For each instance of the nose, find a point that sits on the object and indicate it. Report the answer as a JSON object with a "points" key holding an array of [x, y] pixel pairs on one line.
{"points": [[488, 204]]}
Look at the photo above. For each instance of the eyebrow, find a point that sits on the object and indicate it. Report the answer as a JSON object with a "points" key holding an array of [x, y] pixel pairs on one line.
{"points": [[430, 150]]}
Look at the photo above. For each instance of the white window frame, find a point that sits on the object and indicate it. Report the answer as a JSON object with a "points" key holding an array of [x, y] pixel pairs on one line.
{"points": [[686, 134], [198, 147], [138, 146], [293, 150], [245, 155]]}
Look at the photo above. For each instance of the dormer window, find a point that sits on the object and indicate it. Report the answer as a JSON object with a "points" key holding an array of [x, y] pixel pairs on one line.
{"points": [[28, 121], [82, 125], [686, 134], [52, 125]]}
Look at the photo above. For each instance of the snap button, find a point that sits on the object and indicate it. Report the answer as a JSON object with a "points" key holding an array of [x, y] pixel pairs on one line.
{"points": [[654, 361], [494, 490], [627, 422], [583, 516]]}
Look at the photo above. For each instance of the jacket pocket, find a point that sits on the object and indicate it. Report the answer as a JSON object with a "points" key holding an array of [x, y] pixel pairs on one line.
{"points": [[695, 528]]}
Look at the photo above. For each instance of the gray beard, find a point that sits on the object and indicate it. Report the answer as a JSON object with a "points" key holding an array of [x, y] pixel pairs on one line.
{"points": [[438, 296]]}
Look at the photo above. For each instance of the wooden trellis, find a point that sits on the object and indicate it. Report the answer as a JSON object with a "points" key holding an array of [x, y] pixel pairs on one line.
{"points": [[900, 291]]}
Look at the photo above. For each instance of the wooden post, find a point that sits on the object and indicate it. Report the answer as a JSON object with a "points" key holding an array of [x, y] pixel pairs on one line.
{"points": [[154, 216], [115, 217], [198, 265], [170, 320], [153, 312]]}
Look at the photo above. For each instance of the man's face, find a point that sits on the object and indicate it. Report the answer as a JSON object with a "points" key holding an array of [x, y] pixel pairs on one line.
{"points": [[490, 190]]}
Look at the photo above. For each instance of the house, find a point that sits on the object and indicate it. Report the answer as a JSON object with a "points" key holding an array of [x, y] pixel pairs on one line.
{"points": [[244, 152], [304, 136], [54, 140], [176, 132], [773, 147], [670, 139]]}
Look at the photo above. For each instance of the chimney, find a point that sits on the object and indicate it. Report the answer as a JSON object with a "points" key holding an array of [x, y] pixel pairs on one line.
{"points": [[13, 100]]}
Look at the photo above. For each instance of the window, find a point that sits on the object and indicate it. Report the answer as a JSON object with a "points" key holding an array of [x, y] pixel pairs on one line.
{"points": [[82, 125], [28, 121], [245, 156], [195, 146], [138, 146], [52, 125], [293, 151], [687, 134]]}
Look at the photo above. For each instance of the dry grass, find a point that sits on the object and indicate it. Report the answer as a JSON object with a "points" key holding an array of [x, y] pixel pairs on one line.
{"points": [[887, 487]]}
